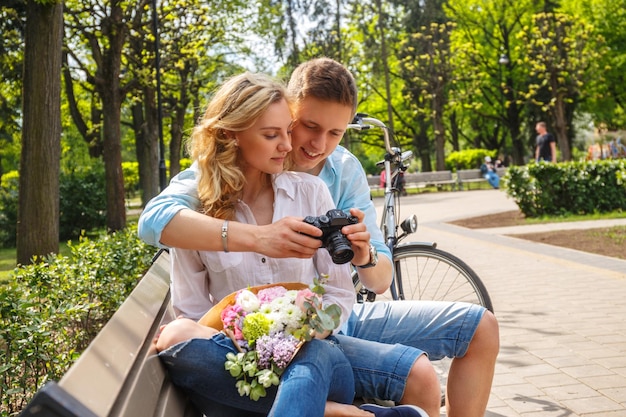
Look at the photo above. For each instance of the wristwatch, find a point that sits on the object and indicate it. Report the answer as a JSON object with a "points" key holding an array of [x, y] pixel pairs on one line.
{"points": [[373, 258]]}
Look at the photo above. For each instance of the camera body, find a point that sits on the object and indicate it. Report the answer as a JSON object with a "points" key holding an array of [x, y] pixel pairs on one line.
{"points": [[333, 240]]}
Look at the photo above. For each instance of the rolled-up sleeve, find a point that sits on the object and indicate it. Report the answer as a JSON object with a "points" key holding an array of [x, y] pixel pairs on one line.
{"points": [[181, 193]]}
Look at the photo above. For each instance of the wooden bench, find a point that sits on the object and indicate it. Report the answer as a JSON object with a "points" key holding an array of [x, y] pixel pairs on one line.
{"points": [[419, 180], [427, 179], [468, 176], [119, 374]]}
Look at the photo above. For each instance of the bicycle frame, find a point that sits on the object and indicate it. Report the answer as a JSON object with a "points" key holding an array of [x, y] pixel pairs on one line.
{"points": [[388, 224]]}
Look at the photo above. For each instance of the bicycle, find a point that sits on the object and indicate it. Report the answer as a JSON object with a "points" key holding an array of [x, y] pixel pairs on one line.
{"points": [[421, 270]]}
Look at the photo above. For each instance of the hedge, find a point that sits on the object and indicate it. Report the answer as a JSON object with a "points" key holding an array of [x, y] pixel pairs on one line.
{"points": [[568, 187], [51, 310]]}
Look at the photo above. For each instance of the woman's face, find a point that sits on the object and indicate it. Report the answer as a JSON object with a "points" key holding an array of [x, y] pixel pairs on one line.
{"points": [[264, 146], [318, 129]]}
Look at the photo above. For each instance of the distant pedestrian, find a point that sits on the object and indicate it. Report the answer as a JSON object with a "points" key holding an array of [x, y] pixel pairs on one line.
{"points": [[488, 170], [546, 144]]}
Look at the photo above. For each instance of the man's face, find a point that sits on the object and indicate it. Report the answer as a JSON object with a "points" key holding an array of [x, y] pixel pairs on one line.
{"points": [[318, 129]]}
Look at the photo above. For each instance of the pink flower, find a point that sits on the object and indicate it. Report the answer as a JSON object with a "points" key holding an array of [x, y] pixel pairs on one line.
{"points": [[304, 295], [232, 317], [268, 294]]}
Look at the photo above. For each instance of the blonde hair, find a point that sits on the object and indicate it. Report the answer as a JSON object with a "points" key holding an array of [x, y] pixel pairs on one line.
{"points": [[235, 107]]}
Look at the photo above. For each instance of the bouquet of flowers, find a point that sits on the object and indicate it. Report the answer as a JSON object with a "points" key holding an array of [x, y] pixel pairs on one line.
{"points": [[268, 325]]}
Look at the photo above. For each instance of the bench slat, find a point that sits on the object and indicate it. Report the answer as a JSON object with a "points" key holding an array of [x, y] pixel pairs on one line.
{"points": [[117, 346], [418, 179]]}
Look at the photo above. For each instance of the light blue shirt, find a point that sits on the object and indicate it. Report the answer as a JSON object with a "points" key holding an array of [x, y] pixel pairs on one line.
{"points": [[342, 173]]}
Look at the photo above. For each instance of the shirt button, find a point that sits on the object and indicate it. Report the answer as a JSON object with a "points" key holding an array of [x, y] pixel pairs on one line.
{"points": [[263, 260]]}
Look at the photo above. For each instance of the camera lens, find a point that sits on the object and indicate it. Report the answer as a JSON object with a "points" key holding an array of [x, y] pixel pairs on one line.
{"points": [[339, 248]]}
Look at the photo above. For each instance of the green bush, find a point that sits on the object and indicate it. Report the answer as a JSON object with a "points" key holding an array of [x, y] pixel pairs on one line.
{"points": [[51, 310], [468, 158], [8, 209], [568, 187], [82, 201], [130, 171]]}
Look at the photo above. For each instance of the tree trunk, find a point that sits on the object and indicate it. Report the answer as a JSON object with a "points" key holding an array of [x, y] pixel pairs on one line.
{"points": [[439, 128], [187, 90], [560, 128], [38, 213], [147, 144], [108, 86]]}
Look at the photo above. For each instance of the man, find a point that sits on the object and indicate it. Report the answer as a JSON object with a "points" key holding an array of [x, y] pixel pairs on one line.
{"points": [[546, 144], [390, 360]]}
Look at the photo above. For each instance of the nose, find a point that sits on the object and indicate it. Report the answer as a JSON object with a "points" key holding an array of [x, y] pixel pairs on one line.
{"points": [[317, 141], [285, 143]]}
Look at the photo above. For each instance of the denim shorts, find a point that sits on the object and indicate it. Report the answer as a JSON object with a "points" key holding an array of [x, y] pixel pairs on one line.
{"points": [[382, 340]]}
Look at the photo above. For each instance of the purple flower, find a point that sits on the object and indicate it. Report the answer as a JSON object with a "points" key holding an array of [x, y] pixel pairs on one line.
{"points": [[277, 349]]}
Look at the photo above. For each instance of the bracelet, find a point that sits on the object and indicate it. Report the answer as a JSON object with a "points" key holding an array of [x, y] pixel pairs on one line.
{"points": [[225, 236]]}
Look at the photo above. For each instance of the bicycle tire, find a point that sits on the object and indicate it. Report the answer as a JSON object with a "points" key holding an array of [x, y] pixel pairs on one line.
{"points": [[423, 272]]}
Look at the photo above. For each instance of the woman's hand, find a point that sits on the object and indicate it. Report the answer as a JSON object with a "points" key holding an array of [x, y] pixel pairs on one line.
{"points": [[289, 237]]}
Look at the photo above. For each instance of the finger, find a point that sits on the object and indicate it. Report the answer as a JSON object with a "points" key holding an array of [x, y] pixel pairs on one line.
{"points": [[357, 213]]}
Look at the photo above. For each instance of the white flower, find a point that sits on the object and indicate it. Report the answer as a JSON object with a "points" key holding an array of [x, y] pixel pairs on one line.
{"points": [[292, 317], [248, 301], [279, 303], [265, 309]]}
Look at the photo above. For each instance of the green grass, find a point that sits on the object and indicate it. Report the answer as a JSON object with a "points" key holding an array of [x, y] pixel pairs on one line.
{"points": [[7, 263], [617, 214]]}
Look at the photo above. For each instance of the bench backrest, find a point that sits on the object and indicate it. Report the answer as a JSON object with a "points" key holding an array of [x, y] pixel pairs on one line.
{"points": [[469, 174], [428, 177], [119, 373]]}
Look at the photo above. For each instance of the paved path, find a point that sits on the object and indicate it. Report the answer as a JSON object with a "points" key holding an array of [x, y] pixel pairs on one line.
{"points": [[562, 312]]}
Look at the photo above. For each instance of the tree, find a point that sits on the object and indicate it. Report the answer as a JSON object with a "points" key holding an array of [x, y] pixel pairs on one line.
{"points": [[486, 90], [560, 51], [97, 35], [426, 66], [38, 213]]}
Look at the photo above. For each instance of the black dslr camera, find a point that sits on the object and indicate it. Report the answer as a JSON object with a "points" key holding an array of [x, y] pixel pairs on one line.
{"points": [[332, 239]]}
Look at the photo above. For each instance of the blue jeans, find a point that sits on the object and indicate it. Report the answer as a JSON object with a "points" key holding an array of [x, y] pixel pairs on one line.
{"points": [[320, 371], [382, 340], [493, 179]]}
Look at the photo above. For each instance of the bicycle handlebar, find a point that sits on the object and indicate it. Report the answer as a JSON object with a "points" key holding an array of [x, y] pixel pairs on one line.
{"points": [[362, 121]]}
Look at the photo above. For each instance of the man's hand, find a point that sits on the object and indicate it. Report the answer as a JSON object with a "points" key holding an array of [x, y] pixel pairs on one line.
{"points": [[359, 238], [290, 237]]}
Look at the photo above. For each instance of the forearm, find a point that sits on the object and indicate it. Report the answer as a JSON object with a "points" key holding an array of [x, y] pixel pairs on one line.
{"points": [[377, 278], [189, 229], [289, 237]]}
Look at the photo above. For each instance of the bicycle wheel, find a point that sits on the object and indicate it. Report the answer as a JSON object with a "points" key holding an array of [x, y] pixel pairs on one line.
{"points": [[423, 272]]}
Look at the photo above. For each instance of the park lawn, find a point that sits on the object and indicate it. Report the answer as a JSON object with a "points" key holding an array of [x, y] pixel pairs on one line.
{"points": [[7, 263]]}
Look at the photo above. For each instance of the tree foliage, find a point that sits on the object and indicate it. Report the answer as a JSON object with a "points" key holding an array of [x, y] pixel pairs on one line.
{"points": [[445, 75], [560, 52]]}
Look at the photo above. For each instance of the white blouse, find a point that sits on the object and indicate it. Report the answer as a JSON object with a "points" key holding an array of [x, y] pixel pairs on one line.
{"points": [[201, 279]]}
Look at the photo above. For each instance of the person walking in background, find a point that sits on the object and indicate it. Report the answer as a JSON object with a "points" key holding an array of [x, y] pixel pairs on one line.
{"points": [[546, 144], [488, 170]]}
